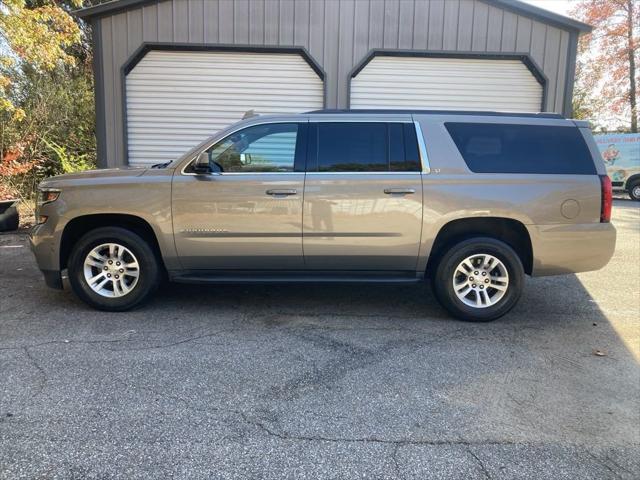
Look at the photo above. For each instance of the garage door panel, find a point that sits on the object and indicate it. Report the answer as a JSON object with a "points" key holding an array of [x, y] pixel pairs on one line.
{"points": [[446, 83], [175, 99]]}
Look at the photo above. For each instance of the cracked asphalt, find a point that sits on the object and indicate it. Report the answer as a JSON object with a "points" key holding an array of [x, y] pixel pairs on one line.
{"points": [[330, 381]]}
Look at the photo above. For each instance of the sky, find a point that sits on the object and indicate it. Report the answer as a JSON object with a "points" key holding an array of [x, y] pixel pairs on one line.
{"points": [[558, 6]]}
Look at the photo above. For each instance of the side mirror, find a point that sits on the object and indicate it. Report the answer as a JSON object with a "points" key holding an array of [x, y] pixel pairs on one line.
{"points": [[201, 164], [245, 158]]}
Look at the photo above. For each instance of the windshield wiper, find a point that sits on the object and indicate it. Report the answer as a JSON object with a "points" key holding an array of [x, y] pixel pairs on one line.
{"points": [[161, 165]]}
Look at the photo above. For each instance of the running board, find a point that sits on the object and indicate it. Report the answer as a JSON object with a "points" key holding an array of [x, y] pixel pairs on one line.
{"points": [[228, 277]]}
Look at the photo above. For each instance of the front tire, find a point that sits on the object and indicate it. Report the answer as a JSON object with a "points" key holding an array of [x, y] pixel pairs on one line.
{"points": [[479, 279], [113, 269], [634, 192]]}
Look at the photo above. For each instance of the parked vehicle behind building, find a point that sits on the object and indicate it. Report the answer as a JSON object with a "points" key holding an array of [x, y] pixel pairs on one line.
{"points": [[621, 156], [472, 201]]}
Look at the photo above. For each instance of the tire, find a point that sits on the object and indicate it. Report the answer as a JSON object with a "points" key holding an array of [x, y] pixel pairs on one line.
{"points": [[506, 292], [9, 220], [129, 290], [634, 191]]}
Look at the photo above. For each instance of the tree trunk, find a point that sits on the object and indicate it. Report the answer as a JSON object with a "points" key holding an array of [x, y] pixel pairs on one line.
{"points": [[632, 70]]}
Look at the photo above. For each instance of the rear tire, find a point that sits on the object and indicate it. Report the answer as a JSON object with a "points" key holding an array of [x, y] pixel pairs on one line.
{"points": [[113, 269], [634, 191], [479, 279]]}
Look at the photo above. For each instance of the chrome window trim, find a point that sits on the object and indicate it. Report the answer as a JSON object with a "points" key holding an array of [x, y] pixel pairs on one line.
{"points": [[366, 173], [422, 148], [226, 174]]}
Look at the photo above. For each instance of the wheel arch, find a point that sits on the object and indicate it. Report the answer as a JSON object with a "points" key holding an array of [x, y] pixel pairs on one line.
{"points": [[78, 226], [512, 232]]}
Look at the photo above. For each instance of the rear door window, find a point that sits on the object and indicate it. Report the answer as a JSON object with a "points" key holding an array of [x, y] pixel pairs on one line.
{"points": [[411, 162], [362, 147], [505, 148], [352, 147]]}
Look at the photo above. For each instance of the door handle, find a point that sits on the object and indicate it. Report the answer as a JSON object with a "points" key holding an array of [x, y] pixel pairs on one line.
{"points": [[399, 191], [282, 193]]}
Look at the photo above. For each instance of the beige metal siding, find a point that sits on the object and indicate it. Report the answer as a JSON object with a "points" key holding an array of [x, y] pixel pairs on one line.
{"points": [[175, 99], [446, 83]]}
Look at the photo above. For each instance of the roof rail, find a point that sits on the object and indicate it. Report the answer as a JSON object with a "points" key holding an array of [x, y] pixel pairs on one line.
{"points": [[438, 112]]}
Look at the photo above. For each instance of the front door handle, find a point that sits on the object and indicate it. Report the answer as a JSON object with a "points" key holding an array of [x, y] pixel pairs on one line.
{"points": [[282, 193], [399, 191]]}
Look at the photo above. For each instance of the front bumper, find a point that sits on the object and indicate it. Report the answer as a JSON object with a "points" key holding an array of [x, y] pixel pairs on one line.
{"points": [[53, 279], [44, 243], [561, 249]]}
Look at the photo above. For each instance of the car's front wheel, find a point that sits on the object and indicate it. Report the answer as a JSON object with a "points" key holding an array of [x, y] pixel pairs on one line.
{"points": [[479, 279], [113, 269]]}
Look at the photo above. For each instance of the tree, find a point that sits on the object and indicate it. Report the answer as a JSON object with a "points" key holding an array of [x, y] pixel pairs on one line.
{"points": [[46, 94], [606, 74], [35, 36]]}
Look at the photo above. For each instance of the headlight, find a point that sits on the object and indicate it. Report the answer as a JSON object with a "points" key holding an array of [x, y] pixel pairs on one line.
{"points": [[44, 196], [47, 195]]}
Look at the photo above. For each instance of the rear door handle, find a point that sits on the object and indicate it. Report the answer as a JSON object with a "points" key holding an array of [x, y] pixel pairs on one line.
{"points": [[282, 193], [399, 191]]}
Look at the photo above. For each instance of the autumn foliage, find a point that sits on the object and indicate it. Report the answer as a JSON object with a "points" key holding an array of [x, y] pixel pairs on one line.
{"points": [[607, 74], [46, 93], [37, 36], [13, 166]]}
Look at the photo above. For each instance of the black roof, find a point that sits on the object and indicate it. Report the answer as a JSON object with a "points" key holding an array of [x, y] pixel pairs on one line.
{"points": [[440, 112], [517, 6]]}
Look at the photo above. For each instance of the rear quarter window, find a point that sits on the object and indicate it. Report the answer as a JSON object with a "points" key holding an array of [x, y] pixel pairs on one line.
{"points": [[506, 148]]}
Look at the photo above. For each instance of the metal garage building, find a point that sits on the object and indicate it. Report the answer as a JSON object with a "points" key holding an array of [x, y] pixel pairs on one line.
{"points": [[171, 72]]}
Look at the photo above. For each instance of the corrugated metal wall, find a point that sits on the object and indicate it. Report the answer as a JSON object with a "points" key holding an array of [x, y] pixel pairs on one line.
{"points": [[337, 33]]}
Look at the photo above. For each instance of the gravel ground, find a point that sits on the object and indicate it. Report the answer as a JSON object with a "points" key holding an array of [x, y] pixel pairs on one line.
{"points": [[323, 381]]}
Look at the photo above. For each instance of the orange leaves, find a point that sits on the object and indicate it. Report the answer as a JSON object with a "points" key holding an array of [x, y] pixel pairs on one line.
{"points": [[13, 164]]}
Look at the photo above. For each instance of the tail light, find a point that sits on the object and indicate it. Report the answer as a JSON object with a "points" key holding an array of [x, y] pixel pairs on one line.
{"points": [[606, 199]]}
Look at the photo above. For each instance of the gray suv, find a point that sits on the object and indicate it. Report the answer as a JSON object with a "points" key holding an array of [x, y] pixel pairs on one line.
{"points": [[473, 201]]}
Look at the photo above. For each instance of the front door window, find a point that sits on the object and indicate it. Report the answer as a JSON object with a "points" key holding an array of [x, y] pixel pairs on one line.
{"points": [[257, 149]]}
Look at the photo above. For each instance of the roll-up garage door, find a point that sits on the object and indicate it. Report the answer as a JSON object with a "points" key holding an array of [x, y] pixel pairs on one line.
{"points": [[176, 99], [446, 83]]}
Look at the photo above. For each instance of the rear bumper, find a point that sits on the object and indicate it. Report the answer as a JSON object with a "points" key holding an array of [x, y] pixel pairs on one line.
{"points": [[561, 249]]}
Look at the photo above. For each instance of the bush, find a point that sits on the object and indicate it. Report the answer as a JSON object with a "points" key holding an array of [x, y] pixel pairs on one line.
{"points": [[56, 134]]}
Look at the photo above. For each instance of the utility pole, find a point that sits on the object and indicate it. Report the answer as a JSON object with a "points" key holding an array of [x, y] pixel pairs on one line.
{"points": [[632, 67]]}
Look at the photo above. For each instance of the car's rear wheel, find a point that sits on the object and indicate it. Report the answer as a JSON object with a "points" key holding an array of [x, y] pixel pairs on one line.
{"points": [[479, 279], [113, 269], [634, 191]]}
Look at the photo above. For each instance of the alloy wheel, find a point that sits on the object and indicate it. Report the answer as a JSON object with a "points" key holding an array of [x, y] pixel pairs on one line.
{"points": [[111, 270], [480, 281]]}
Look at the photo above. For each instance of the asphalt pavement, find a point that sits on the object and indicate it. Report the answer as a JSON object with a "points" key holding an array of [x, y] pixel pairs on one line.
{"points": [[317, 382]]}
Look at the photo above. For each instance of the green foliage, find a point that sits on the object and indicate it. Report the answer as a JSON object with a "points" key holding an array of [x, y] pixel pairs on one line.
{"points": [[68, 161], [58, 107]]}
